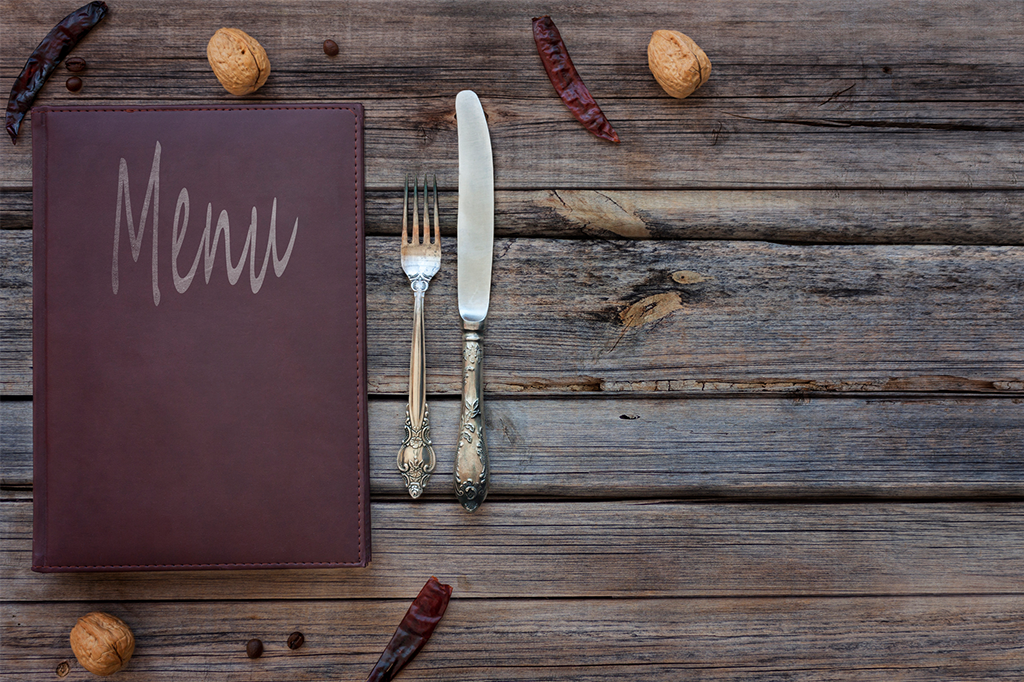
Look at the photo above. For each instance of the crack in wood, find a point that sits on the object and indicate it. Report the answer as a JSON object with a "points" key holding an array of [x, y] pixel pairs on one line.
{"points": [[863, 123]]}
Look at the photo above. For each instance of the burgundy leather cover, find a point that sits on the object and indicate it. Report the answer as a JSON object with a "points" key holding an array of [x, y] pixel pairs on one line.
{"points": [[217, 421]]}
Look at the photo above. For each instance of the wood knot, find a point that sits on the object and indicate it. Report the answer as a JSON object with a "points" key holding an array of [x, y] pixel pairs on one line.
{"points": [[690, 277], [650, 309]]}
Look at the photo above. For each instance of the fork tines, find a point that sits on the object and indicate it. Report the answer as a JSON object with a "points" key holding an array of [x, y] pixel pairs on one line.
{"points": [[419, 237]]}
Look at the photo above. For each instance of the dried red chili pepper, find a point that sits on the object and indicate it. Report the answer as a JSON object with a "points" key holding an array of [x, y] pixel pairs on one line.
{"points": [[44, 59], [414, 630], [567, 81]]}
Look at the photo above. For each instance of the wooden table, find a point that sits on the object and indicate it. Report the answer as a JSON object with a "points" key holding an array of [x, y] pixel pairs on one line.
{"points": [[755, 375]]}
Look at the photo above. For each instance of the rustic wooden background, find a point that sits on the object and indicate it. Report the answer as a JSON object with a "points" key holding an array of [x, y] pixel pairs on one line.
{"points": [[756, 375]]}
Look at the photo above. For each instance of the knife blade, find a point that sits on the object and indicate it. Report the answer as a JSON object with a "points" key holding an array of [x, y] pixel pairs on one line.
{"points": [[475, 254]]}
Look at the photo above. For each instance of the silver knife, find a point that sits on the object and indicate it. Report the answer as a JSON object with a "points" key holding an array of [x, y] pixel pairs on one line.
{"points": [[476, 240]]}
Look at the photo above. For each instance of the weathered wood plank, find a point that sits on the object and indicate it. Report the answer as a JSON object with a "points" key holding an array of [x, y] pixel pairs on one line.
{"points": [[872, 639], [741, 449], [816, 216], [15, 312], [605, 549], [801, 96], [759, 48], [679, 316], [841, 216], [537, 144], [16, 210], [15, 449]]}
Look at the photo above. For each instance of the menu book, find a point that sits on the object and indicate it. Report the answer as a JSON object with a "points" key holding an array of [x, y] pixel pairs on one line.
{"points": [[199, 338]]}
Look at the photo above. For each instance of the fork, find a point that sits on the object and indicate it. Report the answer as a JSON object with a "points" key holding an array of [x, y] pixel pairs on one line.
{"points": [[421, 259]]}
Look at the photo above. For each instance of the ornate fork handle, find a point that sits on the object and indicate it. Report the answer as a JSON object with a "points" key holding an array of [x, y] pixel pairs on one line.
{"points": [[421, 260], [471, 464], [416, 460]]}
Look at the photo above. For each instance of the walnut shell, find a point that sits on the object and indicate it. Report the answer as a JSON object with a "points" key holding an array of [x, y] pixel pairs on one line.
{"points": [[678, 64], [239, 62], [102, 643]]}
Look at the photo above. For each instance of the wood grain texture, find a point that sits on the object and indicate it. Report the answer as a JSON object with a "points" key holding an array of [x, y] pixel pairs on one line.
{"points": [[873, 96], [797, 216], [537, 144], [755, 375], [815, 216], [631, 549], [804, 640], [738, 449], [908, 52], [15, 210], [679, 317], [799, 44]]}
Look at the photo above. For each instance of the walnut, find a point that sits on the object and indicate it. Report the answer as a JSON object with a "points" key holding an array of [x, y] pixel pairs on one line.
{"points": [[239, 62], [102, 643], [678, 64]]}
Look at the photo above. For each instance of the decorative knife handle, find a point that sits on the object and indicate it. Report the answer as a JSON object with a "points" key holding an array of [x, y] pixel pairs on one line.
{"points": [[416, 459], [471, 466]]}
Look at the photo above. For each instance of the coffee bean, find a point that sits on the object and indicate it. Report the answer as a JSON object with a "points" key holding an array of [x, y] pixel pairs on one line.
{"points": [[330, 48], [74, 84], [295, 640], [254, 648], [75, 64]]}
